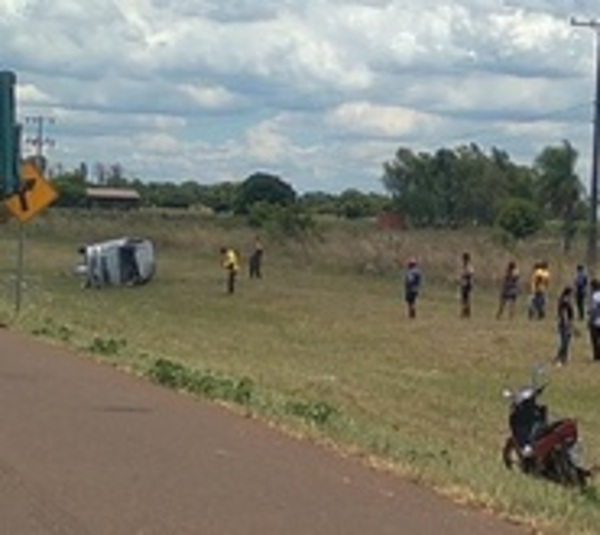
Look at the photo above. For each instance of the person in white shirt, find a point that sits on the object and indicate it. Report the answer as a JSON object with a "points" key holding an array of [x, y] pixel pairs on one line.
{"points": [[594, 319]]}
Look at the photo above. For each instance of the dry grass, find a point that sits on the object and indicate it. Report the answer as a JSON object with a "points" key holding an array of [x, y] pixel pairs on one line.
{"points": [[327, 324]]}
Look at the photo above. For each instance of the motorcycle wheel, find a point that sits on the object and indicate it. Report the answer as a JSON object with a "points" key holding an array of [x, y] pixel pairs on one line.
{"points": [[568, 472], [511, 457]]}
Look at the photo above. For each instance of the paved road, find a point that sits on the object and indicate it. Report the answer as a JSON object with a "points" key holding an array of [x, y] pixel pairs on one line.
{"points": [[86, 449]]}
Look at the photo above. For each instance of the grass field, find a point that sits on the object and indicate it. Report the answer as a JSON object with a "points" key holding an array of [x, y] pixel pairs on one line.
{"points": [[321, 346]]}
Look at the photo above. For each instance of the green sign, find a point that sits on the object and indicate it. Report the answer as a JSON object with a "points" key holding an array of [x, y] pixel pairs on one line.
{"points": [[9, 136]]}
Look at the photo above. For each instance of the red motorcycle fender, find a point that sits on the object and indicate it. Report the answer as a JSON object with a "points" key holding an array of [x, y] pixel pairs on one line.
{"points": [[561, 432]]}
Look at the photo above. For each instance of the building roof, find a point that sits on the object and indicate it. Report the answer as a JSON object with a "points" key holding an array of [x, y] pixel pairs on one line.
{"points": [[113, 193]]}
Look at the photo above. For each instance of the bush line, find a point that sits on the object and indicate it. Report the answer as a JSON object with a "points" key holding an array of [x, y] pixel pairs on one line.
{"points": [[242, 392]]}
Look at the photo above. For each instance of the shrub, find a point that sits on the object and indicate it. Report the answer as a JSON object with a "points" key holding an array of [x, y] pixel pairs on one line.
{"points": [[519, 218], [213, 386]]}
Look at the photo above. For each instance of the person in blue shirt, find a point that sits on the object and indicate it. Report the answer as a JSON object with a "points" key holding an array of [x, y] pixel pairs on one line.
{"points": [[412, 286], [580, 285]]}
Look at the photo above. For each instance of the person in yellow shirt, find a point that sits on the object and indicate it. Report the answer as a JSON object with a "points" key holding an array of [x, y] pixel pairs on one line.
{"points": [[231, 263], [540, 281]]}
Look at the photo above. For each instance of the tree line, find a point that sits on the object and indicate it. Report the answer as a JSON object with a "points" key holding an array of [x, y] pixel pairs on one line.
{"points": [[224, 197], [466, 186], [447, 188]]}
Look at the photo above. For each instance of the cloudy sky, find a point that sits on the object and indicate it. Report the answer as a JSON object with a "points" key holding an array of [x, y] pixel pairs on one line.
{"points": [[319, 92]]}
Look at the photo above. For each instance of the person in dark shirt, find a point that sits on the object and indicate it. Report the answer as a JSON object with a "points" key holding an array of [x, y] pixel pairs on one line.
{"points": [[467, 274], [255, 259], [565, 315], [509, 290], [412, 286], [580, 285]]}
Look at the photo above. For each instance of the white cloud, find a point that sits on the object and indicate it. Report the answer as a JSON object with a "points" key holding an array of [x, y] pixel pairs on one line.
{"points": [[371, 120], [266, 143], [322, 91]]}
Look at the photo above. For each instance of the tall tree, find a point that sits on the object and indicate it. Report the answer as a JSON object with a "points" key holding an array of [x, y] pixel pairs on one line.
{"points": [[559, 190], [408, 179], [454, 187]]}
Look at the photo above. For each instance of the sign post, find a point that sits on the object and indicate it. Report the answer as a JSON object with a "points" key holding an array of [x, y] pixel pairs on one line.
{"points": [[22, 186], [35, 193], [9, 136]]}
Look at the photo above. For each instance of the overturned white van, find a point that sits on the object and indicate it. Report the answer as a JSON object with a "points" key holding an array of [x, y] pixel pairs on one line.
{"points": [[119, 262]]}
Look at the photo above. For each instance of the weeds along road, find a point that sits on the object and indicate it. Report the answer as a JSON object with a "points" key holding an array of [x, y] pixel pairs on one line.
{"points": [[86, 449]]}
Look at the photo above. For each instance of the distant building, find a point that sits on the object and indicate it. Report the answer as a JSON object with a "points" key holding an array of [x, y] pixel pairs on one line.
{"points": [[120, 198]]}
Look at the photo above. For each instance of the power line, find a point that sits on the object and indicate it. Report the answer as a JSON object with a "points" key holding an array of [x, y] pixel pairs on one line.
{"points": [[594, 25], [39, 140], [532, 119]]}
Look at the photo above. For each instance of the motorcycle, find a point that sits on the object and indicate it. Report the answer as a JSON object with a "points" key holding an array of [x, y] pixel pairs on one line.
{"points": [[539, 447]]}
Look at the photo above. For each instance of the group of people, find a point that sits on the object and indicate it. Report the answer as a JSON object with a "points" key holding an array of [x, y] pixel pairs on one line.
{"points": [[230, 260], [581, 299]]}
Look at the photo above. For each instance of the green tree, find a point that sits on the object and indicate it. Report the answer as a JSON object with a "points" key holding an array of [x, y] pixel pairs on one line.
{"points": [[71, 188], [519, 217], [559, 190], [454, 187], [221, 197], [266, 188], [319, 202], [353, 204], [408, 179]]}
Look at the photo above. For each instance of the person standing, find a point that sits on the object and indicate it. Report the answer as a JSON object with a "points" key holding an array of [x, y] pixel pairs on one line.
{"points": [[255, 260], [231, 264], [594, 319], [565, 315], [540, 281], [581, 287], [509, 290], [467, 274], [412, 286]]}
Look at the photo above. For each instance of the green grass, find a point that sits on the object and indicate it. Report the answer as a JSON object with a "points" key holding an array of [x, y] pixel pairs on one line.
{"points": [[324, 350]]}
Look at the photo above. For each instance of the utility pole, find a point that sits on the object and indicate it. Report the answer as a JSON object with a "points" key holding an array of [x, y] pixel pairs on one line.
{"points": [[39, 141], [592, 251]]}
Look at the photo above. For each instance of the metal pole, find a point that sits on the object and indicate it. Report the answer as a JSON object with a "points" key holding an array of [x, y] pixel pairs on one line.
{"points": [[592, 250], [39, 141], [20, 241], [20, 269]]}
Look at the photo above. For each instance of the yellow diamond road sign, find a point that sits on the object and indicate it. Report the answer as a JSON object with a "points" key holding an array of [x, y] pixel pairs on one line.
{"points": [[36, 193]]}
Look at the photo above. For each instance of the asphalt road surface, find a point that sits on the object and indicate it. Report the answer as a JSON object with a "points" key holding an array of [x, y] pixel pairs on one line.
{"points": [[86, 449]]}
